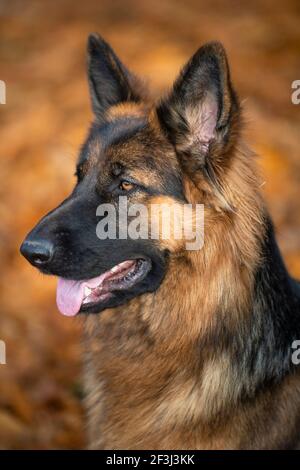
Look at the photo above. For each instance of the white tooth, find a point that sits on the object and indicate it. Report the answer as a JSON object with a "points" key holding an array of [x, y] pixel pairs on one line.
{"points": [[115, 269], [87, 291]]}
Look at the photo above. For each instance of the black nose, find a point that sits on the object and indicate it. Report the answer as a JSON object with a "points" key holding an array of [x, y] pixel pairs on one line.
{"points": [[38, 251]]}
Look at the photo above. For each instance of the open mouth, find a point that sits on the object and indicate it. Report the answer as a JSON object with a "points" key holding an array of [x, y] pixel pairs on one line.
{"points": [[75, 296]]}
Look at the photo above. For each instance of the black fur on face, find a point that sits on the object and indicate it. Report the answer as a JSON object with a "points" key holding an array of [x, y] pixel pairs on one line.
{"points": [[103, 164]]}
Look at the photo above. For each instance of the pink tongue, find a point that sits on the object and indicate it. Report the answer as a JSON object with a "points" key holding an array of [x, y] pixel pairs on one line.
{"points": [[70, 294]]}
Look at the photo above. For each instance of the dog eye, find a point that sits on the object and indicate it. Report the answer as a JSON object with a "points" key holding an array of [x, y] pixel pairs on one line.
{"points": [[126, 186]]}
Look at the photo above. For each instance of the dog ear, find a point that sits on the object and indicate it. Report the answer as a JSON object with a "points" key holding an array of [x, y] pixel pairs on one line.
{"points": [[200, 114], [110, 82]]}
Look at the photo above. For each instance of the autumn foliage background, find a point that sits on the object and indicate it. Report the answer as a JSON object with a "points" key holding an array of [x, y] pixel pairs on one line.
{"points": [[42, 57]]}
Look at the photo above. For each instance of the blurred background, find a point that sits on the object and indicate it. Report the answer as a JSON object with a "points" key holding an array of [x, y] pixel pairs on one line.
{"points": [[42, 57]]}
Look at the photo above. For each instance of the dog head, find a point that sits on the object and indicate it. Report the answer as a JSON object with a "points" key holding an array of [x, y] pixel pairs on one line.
{"points": [[174, 152]]}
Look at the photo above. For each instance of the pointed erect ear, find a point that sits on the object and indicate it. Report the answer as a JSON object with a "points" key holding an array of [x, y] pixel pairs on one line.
{"points": [[109, 81], [200, 116]]}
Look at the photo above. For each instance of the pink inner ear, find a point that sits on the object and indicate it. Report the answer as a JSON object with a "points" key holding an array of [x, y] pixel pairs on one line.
{"points": [[202, 121]]}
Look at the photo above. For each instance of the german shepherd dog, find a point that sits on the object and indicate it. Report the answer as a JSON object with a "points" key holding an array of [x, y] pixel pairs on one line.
{"points": [[185, 349]]}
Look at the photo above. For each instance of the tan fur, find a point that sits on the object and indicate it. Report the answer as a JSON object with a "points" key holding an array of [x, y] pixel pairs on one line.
{"points": [[149, 384], [125, 109]]}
